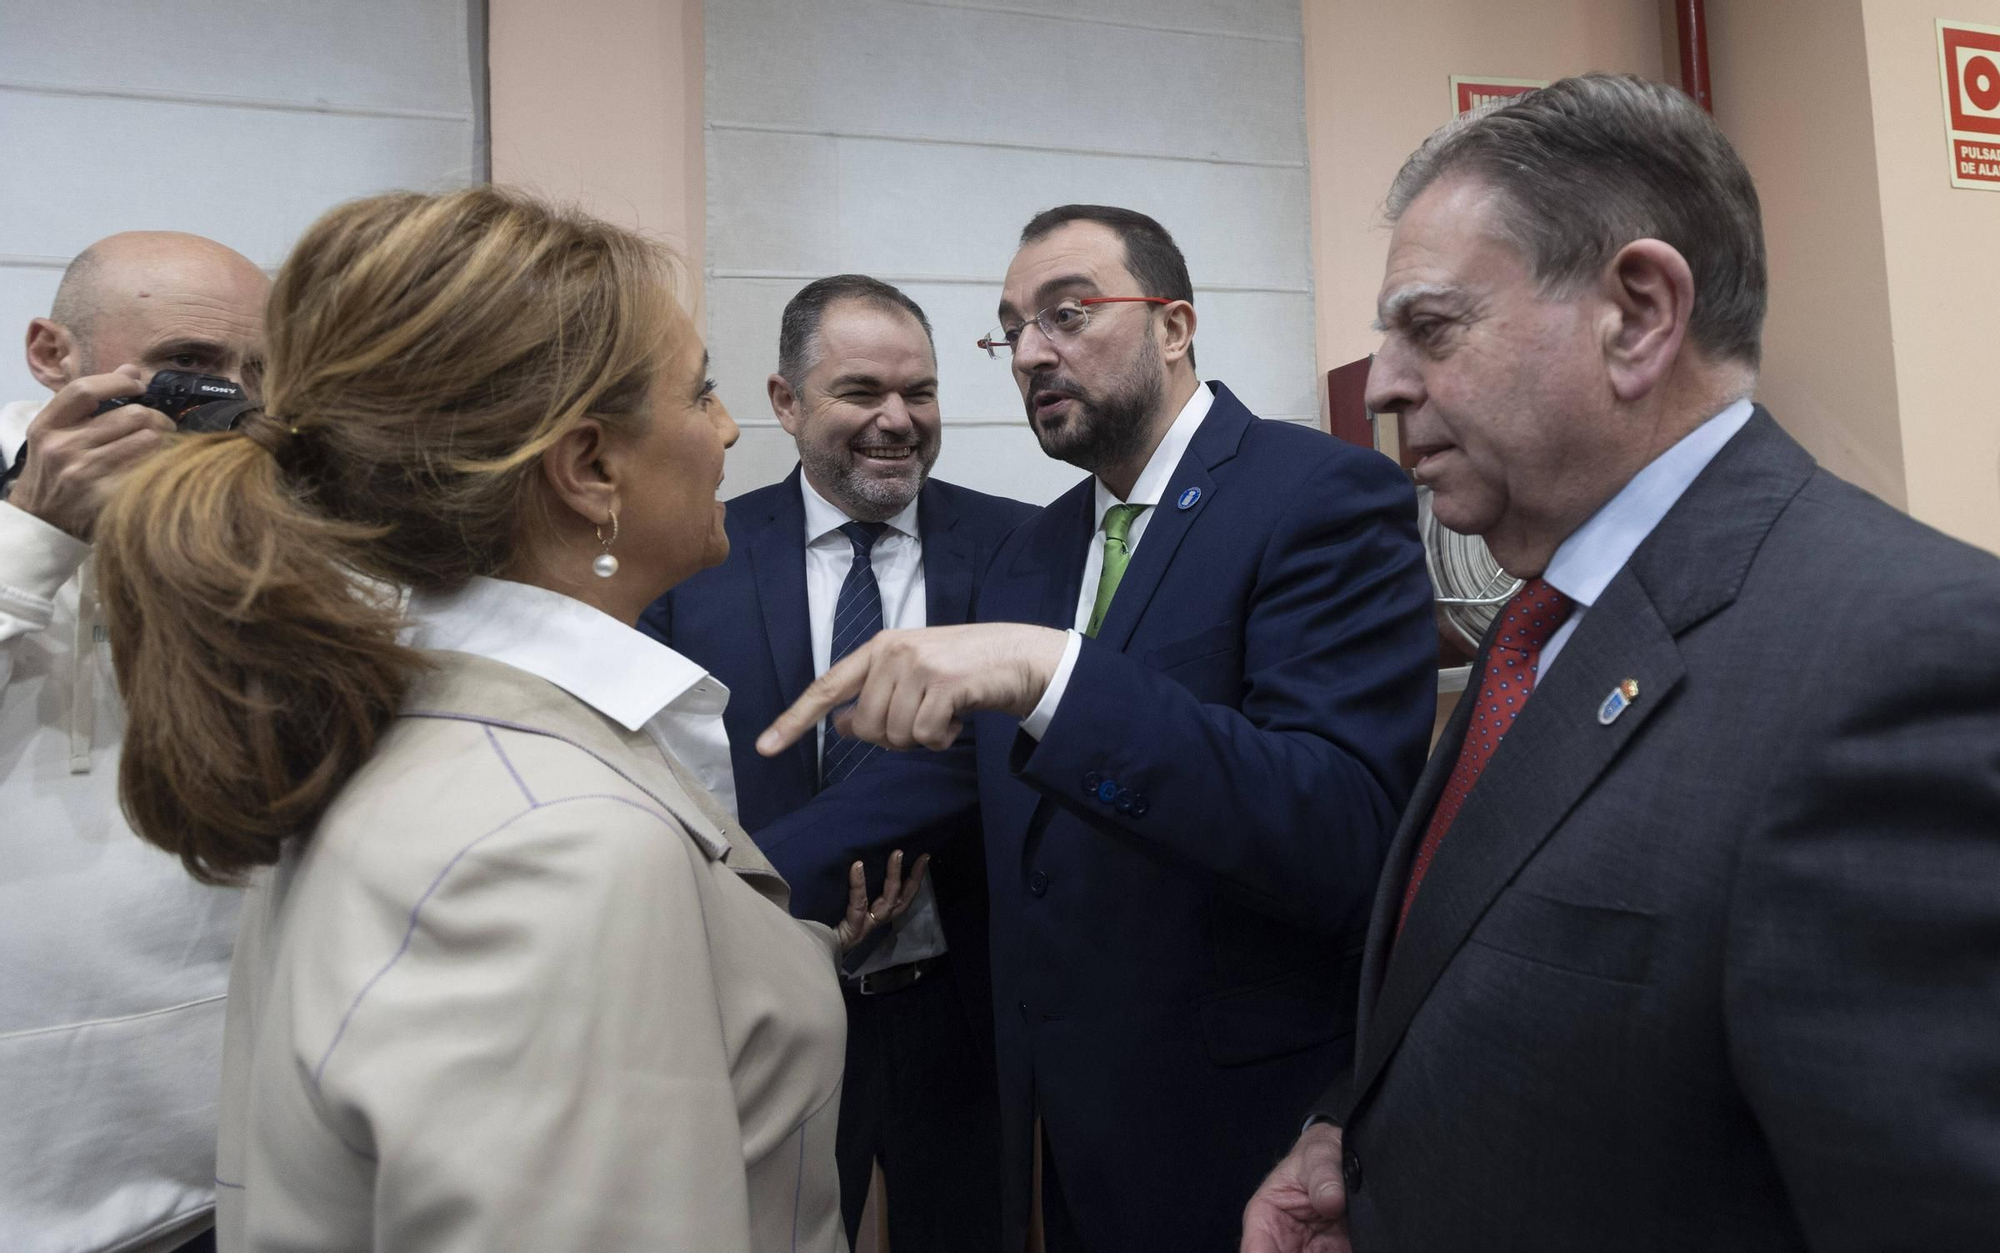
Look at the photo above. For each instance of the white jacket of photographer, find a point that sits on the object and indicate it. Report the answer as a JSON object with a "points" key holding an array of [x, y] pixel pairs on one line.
{"points": [[115, 960]]}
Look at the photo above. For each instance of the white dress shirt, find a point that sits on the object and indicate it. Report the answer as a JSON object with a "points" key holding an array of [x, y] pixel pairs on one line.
{"points": [[898, 562], [898, 559], [1594, 553], [624, 674], [1150, 487]]}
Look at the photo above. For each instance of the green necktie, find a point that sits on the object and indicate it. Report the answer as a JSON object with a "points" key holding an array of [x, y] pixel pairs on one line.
{"points": [[1117, 555]]}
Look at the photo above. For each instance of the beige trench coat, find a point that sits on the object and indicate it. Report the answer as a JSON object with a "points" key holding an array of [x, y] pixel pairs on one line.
{"points": [[523, 989]]}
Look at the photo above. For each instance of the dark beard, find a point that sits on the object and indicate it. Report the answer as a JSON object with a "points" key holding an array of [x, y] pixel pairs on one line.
{"points": [[1100, 432]]}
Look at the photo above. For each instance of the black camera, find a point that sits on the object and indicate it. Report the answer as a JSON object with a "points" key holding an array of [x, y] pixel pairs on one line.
{"points": [[196, 402]]}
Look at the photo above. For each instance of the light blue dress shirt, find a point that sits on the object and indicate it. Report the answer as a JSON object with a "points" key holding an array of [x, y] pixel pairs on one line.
{"points": [[1595, 552]]}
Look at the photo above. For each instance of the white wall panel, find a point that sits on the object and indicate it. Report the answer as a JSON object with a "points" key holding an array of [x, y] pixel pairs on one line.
{"points": [[1250, 19], [1006, 461], [763, 454], [890, 67], [911, 139], [31, 289], [375, 54], [782, 193], [292, 167], [241, 120], [743, 344], [940, 209]]}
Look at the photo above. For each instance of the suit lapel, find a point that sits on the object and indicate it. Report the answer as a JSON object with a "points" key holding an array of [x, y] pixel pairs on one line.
{"points": [[1164, 533], [743, 857], [947, 560], [1557, 749], [1046, 575], [1403, 848], [1214, 443], [1041, 586], [1516, 806], [778, 567]]}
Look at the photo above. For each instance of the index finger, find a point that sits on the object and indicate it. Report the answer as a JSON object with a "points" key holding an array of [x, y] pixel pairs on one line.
{"points": [[77, 402], [840, 684]]}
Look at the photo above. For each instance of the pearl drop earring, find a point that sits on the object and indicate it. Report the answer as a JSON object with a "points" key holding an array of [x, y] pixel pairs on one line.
{"points": [[606, 565]]}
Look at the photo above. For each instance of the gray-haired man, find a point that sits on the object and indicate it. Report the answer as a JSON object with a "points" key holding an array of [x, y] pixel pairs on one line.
{"points": [[1688, 938]]}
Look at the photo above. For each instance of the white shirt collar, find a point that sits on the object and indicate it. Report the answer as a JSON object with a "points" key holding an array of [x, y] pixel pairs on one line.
{"points": [[1595, 552], [823, 517], [1154, 480], [622, 673]]}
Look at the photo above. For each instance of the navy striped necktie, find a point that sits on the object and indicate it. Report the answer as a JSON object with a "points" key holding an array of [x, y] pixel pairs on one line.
{"points": [[857, 616]]}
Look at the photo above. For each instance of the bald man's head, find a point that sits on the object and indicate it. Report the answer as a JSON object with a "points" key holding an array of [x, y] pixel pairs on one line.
{"points": [[157, 300]]}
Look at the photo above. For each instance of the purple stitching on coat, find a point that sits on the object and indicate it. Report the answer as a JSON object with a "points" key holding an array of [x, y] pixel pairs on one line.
{"points": [[409, 932], [799, 1188], [508, 762], [524, 728]]}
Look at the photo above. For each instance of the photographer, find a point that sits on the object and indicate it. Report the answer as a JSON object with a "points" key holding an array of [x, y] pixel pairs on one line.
{"points": [[111, 1011]]}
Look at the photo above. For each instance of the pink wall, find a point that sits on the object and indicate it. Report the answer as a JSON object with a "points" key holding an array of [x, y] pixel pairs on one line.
{"points": [[1377, 83], [1881, 311], [1942, 271], [599, 103], [1829, 369]]}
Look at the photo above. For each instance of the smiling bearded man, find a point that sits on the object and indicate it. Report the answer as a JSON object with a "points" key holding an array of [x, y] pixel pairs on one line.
{"points": [[856, 539]]}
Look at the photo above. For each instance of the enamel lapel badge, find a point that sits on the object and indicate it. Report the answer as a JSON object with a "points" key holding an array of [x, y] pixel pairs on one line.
{"points": [[1618, 702]]}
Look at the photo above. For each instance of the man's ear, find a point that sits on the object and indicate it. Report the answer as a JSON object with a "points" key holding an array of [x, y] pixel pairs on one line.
{"points": [[54, 356], [1176, 330], [1649, 292], [784, 403], [581, 476]]}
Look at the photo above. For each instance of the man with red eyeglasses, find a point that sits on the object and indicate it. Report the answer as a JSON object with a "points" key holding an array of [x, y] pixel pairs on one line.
{"points": [[1199, 688]]}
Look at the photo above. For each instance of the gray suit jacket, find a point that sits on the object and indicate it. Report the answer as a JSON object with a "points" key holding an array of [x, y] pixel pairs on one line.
{"points": [[1723, 973]]}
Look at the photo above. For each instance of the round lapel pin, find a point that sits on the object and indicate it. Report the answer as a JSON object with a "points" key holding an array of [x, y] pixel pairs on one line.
{"points": [[1188, 498]]}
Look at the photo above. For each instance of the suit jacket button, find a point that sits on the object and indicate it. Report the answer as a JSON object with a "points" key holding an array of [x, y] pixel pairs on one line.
{"points": [[1138, 810], [1350, 1169], [1038, 884], [1107, 791], [1091, 780], [1124, 802]]}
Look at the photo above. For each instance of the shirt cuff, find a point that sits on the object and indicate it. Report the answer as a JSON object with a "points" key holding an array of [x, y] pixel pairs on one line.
{"points": [[1037, 722], [36, 559]]}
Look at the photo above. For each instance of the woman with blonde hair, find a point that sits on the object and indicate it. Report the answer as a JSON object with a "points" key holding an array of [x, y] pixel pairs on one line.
{"points": [[512, 978]]}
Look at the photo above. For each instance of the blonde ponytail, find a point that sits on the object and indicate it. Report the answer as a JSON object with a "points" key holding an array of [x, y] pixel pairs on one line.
{"points": [[424, 350], [258, 670]]}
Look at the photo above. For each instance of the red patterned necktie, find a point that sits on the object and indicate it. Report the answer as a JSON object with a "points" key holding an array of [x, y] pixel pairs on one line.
{"points": [[1526, 625]]}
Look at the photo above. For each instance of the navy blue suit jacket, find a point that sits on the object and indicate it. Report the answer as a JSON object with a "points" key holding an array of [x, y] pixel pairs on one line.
{"points": [[748, 623], [1180, 870]]}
